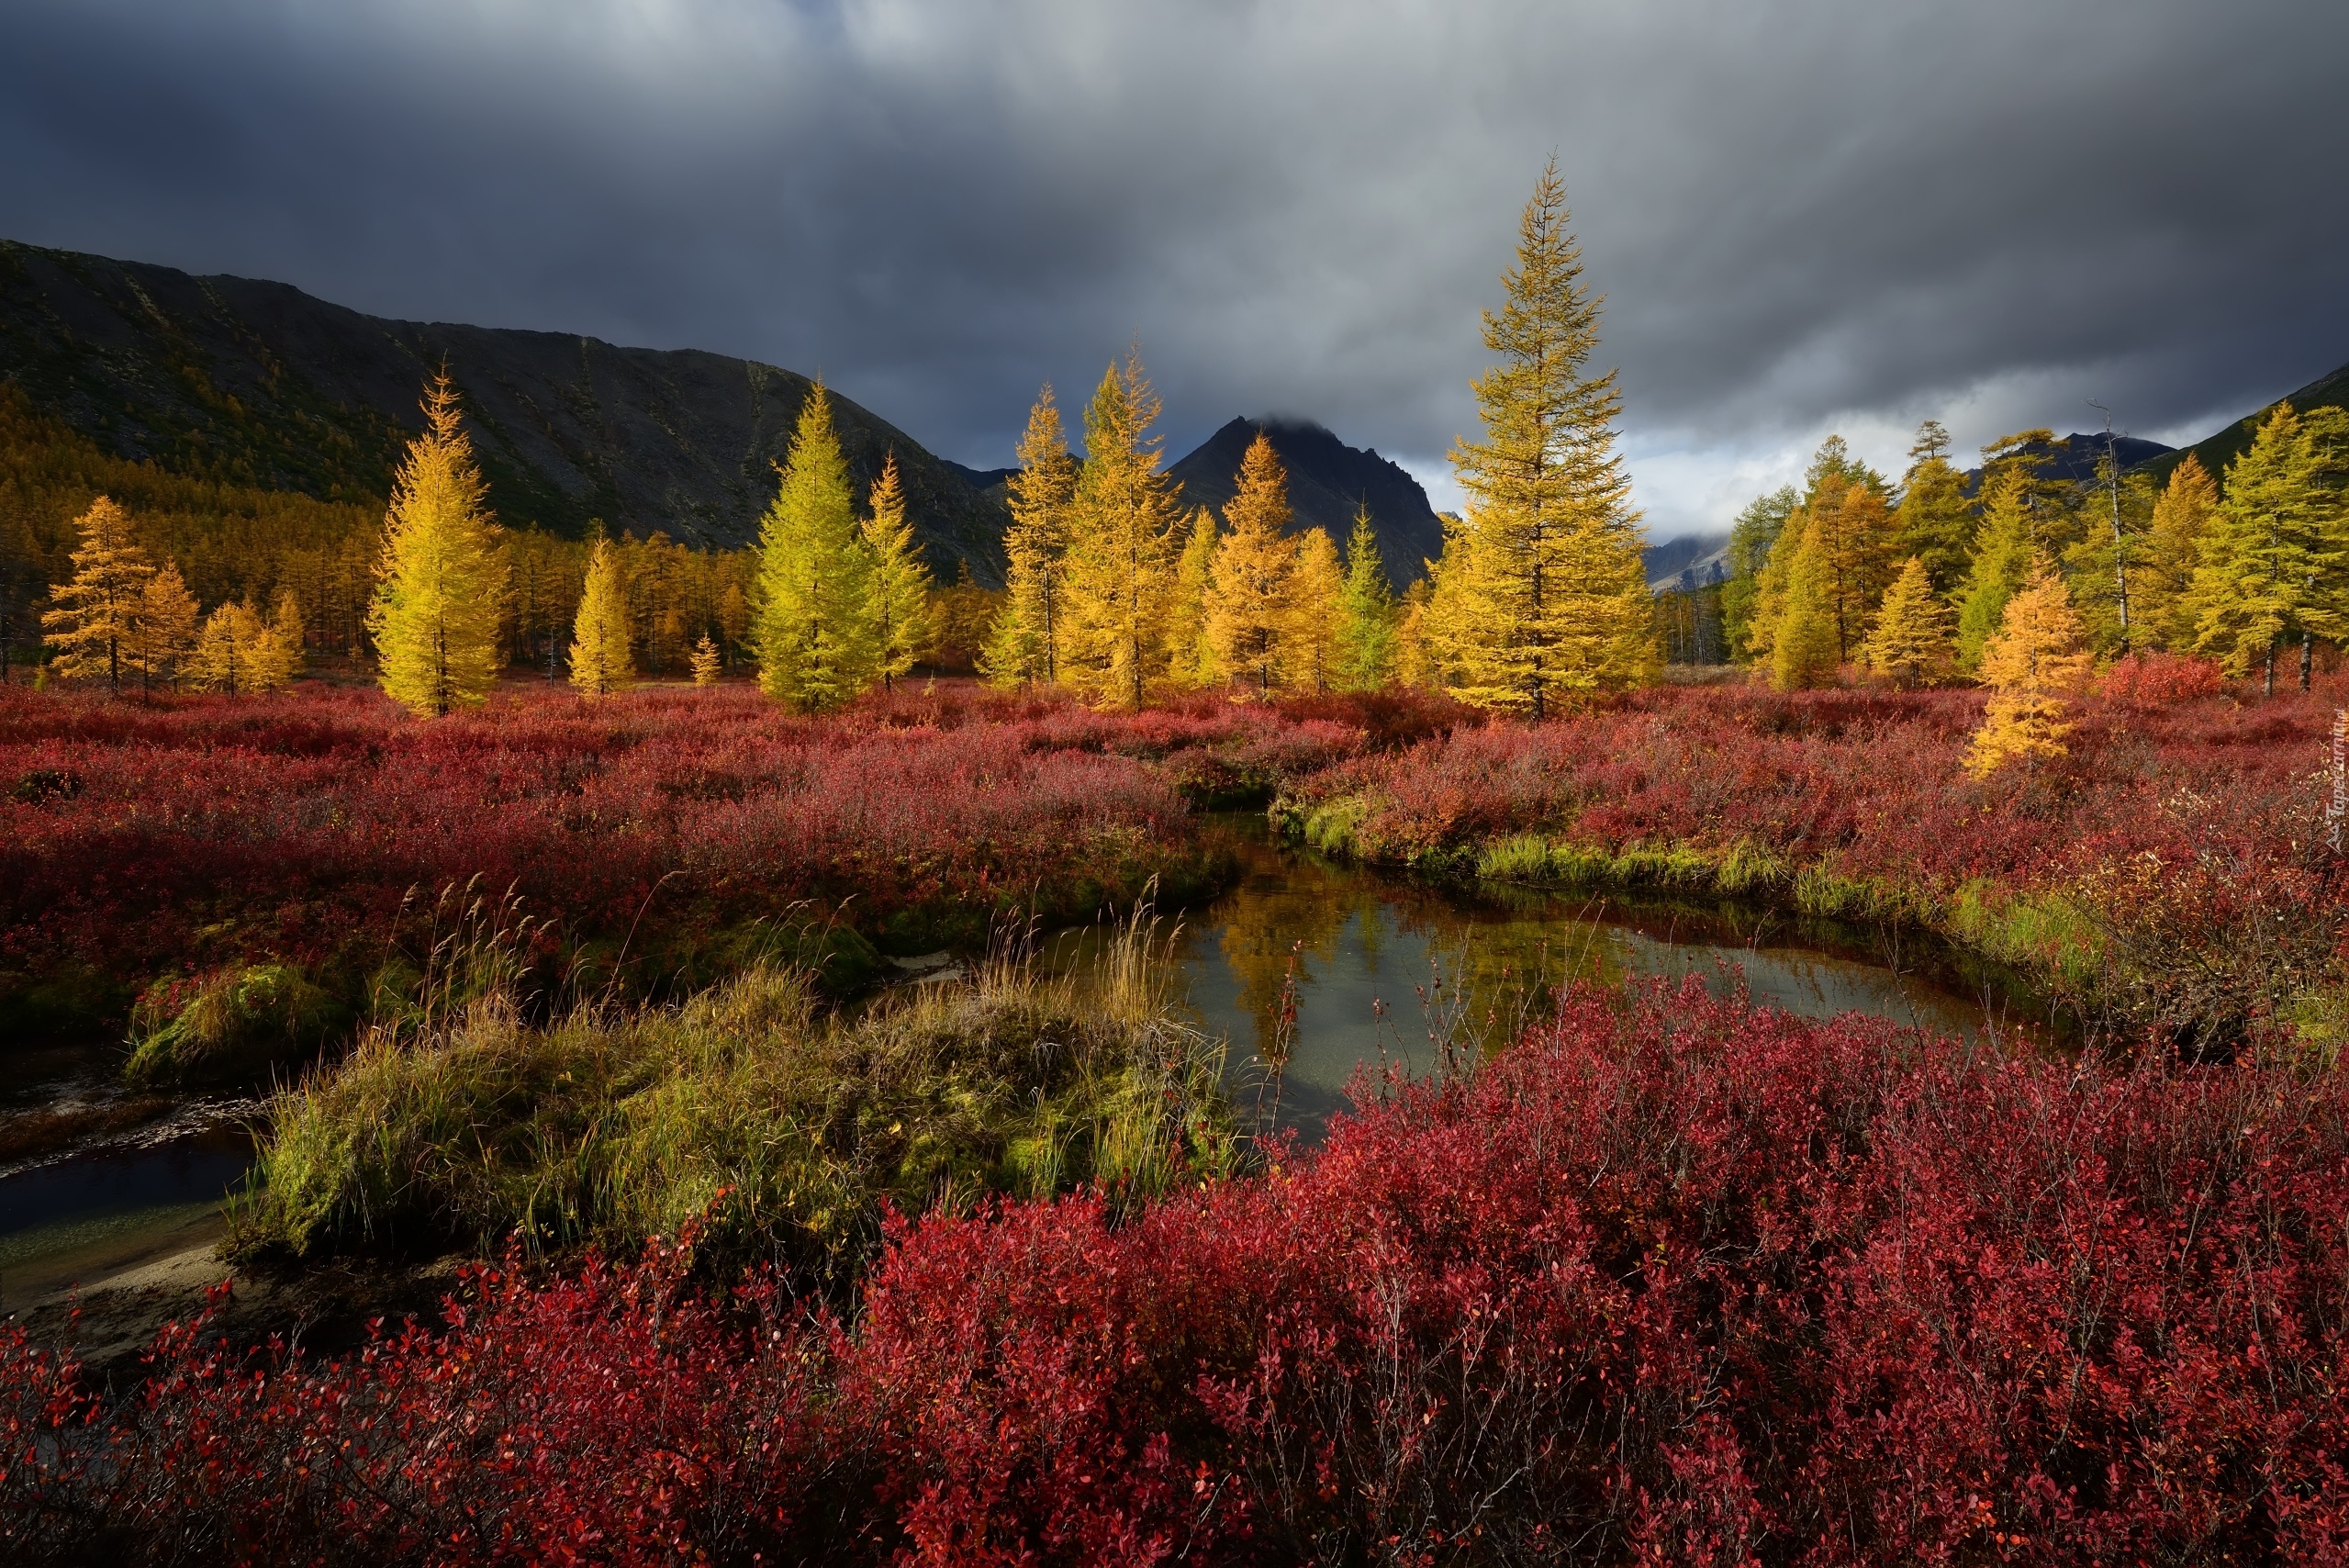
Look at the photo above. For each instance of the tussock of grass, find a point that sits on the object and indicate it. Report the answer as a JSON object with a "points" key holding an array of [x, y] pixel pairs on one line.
{"points": [[791, 1128]]}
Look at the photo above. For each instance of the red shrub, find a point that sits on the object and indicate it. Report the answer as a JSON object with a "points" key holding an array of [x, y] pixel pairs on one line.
{"points": [[2148, 679], [1671, 1281]]}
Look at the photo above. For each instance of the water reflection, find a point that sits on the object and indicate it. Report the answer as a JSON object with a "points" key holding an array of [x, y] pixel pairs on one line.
{"points": [[1377, 968]]}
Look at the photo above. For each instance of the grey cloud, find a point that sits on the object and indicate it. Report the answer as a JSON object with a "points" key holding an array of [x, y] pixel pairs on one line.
{"points": [[1799, 213]]}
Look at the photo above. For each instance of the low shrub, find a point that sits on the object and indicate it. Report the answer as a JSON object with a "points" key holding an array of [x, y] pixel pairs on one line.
{"points": [[788, 1130], [1671, 1281], [231, 1024]]}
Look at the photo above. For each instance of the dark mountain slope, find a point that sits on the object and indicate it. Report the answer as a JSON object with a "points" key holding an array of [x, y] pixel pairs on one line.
{"points": [[1328, 479], [261, 384], [2215, 451]]}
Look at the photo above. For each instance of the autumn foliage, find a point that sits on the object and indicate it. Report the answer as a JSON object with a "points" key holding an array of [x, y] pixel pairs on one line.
{"points": [[1670, 1281]]}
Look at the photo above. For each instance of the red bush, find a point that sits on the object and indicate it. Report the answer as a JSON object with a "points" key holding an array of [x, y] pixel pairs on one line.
{"points": [[2148, 679], [1671, 1281]]}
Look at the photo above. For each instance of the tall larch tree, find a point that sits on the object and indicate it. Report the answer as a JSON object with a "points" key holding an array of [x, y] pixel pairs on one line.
{"points": [[441, 581], [1752, 538], [813, 631], [1317, 611], [1853, 529], [1935, 522], [2275, 563], [1190, 657], [164, 631], [1553, 600], [2162, 590], [2106, 565], [1366, 633], [600, 659], [1910, 644], [2037, 658], [900, 607], [1123, 515], [1024, 646], [238, 653], [92, 616], [1803, 646], [2003, 553], [1250, 603]]}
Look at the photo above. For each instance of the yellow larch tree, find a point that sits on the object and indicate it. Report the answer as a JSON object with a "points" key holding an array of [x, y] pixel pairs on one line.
{"points": [[2160, 587], [1549, 598], [1910, 645], [2003, 552], [238, 654], [1250, 606], [1803, 650], [164, 634], [600, 660], [814, 632], [1024, 645], [1121, 517], [1190, 656], [2275, 563], [93, 615], [1855, 534], [441, 581], [1317, 611], [1935, 522], [705, 662], [284, 651], [2036, 659], [1367, 629], [899, 607]]}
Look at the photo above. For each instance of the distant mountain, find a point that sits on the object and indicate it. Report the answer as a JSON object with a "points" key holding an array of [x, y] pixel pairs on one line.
{"points": [[2075, 458], [2215, 451], [1327, 480], [1691, 562], [261, 384]]}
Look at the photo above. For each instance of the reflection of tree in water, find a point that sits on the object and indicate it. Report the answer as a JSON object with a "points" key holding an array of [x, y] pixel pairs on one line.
{"points": [[1278, 910]]}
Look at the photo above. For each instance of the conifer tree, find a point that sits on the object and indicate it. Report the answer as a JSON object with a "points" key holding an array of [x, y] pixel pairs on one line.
{"points": [[2037, 657], [1366, 635], [94, 612], [235, 652], [165, 630], [1121, 517], [1549, 596], [1317, 611], [1853, 530], [2003, 552], [2275, 560], [1803, 650], [899, 609], [2107, 558], [1250, 607], [814, 632], [1417, 662], [1024, 647], [600, 662], [441, 582], [1935, 523], [283, 650], [2161, 588], [1751, 538], [1910, 644], [1190, 656], [734, 618], [705, 662]]}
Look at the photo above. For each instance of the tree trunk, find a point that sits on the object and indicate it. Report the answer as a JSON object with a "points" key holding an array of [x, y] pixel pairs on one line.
{"points": [[2270, 690], [2308, 657]]}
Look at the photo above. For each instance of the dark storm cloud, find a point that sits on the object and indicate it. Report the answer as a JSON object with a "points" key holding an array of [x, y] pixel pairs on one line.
{"points": [[1803, 216]]}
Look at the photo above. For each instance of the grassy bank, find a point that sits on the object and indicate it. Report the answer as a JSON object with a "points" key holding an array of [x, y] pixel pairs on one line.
{"points": [[783, 1129]]}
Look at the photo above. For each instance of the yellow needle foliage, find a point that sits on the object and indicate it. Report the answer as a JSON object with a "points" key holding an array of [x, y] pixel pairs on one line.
{"points": [[900, 605], [1190, 656], [441, 584], [816, 648], [2038, 657], [2160, 587], [1121, 517], [2275, 563], [1803, 644], [1366, 626], [705, 661], [1541, 593], [1910, 645], [600, 658], [163, 636], [239, 653], [1317, 611], [1024, 647], [93, 614], [1250, 607]]}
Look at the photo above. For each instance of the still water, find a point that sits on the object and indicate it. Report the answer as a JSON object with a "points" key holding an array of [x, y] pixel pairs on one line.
{"points": [[1375, 966], [1366, 967]]}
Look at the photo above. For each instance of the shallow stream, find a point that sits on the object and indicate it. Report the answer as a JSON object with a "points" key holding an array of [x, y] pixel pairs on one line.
{"points": [[1368, 968]]}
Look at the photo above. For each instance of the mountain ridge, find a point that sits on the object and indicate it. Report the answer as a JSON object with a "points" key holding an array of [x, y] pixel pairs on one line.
{"points": [[1328, 479], [256, 381]]}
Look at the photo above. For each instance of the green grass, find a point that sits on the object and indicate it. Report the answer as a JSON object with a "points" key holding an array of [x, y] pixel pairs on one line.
{"points": [[787, 1128]]}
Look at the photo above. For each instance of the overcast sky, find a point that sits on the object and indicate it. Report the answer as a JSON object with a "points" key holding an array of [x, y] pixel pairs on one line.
{"points": [[1846, 215]]}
